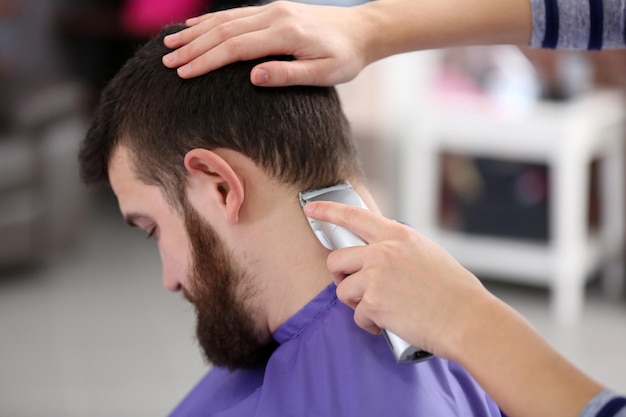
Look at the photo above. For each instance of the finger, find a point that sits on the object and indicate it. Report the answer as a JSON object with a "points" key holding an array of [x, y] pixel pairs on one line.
{"points": [[194, 20], [344, 262], [364, 322], [317, 72], [234, 17], [350, 291], [225, 15], [368, 225], [198, 40], [185, 36], [242, 48]]}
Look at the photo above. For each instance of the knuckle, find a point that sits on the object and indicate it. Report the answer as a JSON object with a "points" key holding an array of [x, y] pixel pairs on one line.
{"points": [[185, 53], [405, 233], [350, 213], [417, 241], [371, 306], [295, 30], [287, 74], [224, 30], [382, 258], [193, 32], [386, 251], [223, 16], [191, 48], [283, 8], [198, 30], [346, 295], [233, 46]]}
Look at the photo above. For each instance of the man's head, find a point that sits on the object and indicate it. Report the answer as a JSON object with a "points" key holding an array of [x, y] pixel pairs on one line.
{"points": [[297, 134], [212, 166]]}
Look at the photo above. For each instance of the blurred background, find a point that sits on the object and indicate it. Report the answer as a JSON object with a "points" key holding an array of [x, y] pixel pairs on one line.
{"points": [[452, 142]]}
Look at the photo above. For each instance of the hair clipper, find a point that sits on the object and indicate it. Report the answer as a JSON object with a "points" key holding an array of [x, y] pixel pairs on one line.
{"points": [[336, 237]]}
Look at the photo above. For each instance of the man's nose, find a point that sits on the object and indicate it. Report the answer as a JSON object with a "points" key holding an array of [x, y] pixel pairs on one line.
{"points": [[170, 283]]}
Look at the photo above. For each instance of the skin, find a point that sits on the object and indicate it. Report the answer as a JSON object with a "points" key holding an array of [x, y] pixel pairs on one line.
{"points": [[250, 212], [225, 328], [403, 282], [432, 301], [333, 44]]}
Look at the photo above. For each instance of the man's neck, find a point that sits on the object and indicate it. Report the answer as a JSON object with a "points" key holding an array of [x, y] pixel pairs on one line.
{"points": [[285, 259], [274, 242], [291, 262]]}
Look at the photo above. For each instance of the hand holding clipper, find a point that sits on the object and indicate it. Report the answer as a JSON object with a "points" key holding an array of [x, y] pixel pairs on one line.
{"points": [[336, 237]]}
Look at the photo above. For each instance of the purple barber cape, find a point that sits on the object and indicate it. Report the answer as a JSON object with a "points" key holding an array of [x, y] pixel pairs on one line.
{"points": [[327, 366]]}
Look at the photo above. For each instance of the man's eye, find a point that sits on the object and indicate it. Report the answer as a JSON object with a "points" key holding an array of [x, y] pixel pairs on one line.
{"points": [[151, 233]]}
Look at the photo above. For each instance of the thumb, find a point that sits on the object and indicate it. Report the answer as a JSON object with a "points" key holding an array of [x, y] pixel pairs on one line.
{"points": [[285, 73]]}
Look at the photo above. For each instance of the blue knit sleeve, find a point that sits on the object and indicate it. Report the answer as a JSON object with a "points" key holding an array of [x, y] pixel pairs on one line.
{"points": [[605, 404], [579, 24]]}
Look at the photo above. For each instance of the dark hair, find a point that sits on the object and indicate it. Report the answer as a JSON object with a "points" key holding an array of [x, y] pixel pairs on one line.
{"points": [[297, 134]]}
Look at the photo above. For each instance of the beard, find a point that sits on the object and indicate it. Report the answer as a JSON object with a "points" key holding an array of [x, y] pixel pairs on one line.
{"points": [[219, 289]]}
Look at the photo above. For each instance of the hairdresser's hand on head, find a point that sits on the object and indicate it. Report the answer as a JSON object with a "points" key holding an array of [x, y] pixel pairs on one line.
{"points": [[329, 43], [333, 44], [401, 281]]}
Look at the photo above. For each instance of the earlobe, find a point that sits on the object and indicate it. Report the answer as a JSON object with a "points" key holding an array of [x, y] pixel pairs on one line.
{"points": [[215, 178]]}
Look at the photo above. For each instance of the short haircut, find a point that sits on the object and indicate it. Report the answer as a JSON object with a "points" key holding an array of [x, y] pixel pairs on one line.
{"points": [[298, 135]]}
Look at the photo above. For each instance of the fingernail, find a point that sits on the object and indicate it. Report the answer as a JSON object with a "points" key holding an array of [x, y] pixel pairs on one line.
{"points": [[260, 77], [191, 21], [309, 208], [170, 58], [171, 38], [184, 70]]}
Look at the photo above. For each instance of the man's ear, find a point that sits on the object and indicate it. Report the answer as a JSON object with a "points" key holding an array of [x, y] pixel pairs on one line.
{"points": [[215, 178]]}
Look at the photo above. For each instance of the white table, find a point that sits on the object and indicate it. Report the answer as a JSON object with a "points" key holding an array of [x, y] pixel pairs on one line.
{"points": [[566, 136]]}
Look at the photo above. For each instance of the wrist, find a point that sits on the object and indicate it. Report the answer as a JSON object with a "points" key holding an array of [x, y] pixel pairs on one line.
{"points": [[370, 21], [386, 29], [477, 327]]}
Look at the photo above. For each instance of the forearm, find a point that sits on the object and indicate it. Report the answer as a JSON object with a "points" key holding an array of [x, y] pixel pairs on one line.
{"points": [[407, 25], [517, 367]]}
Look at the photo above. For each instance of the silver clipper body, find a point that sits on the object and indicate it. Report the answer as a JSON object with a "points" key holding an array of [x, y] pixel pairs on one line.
{"points": [[336, 237]]}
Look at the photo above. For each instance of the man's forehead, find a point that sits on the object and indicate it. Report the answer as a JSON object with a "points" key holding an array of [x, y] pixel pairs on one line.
{"points": [[126, 187], [134, 197]]}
